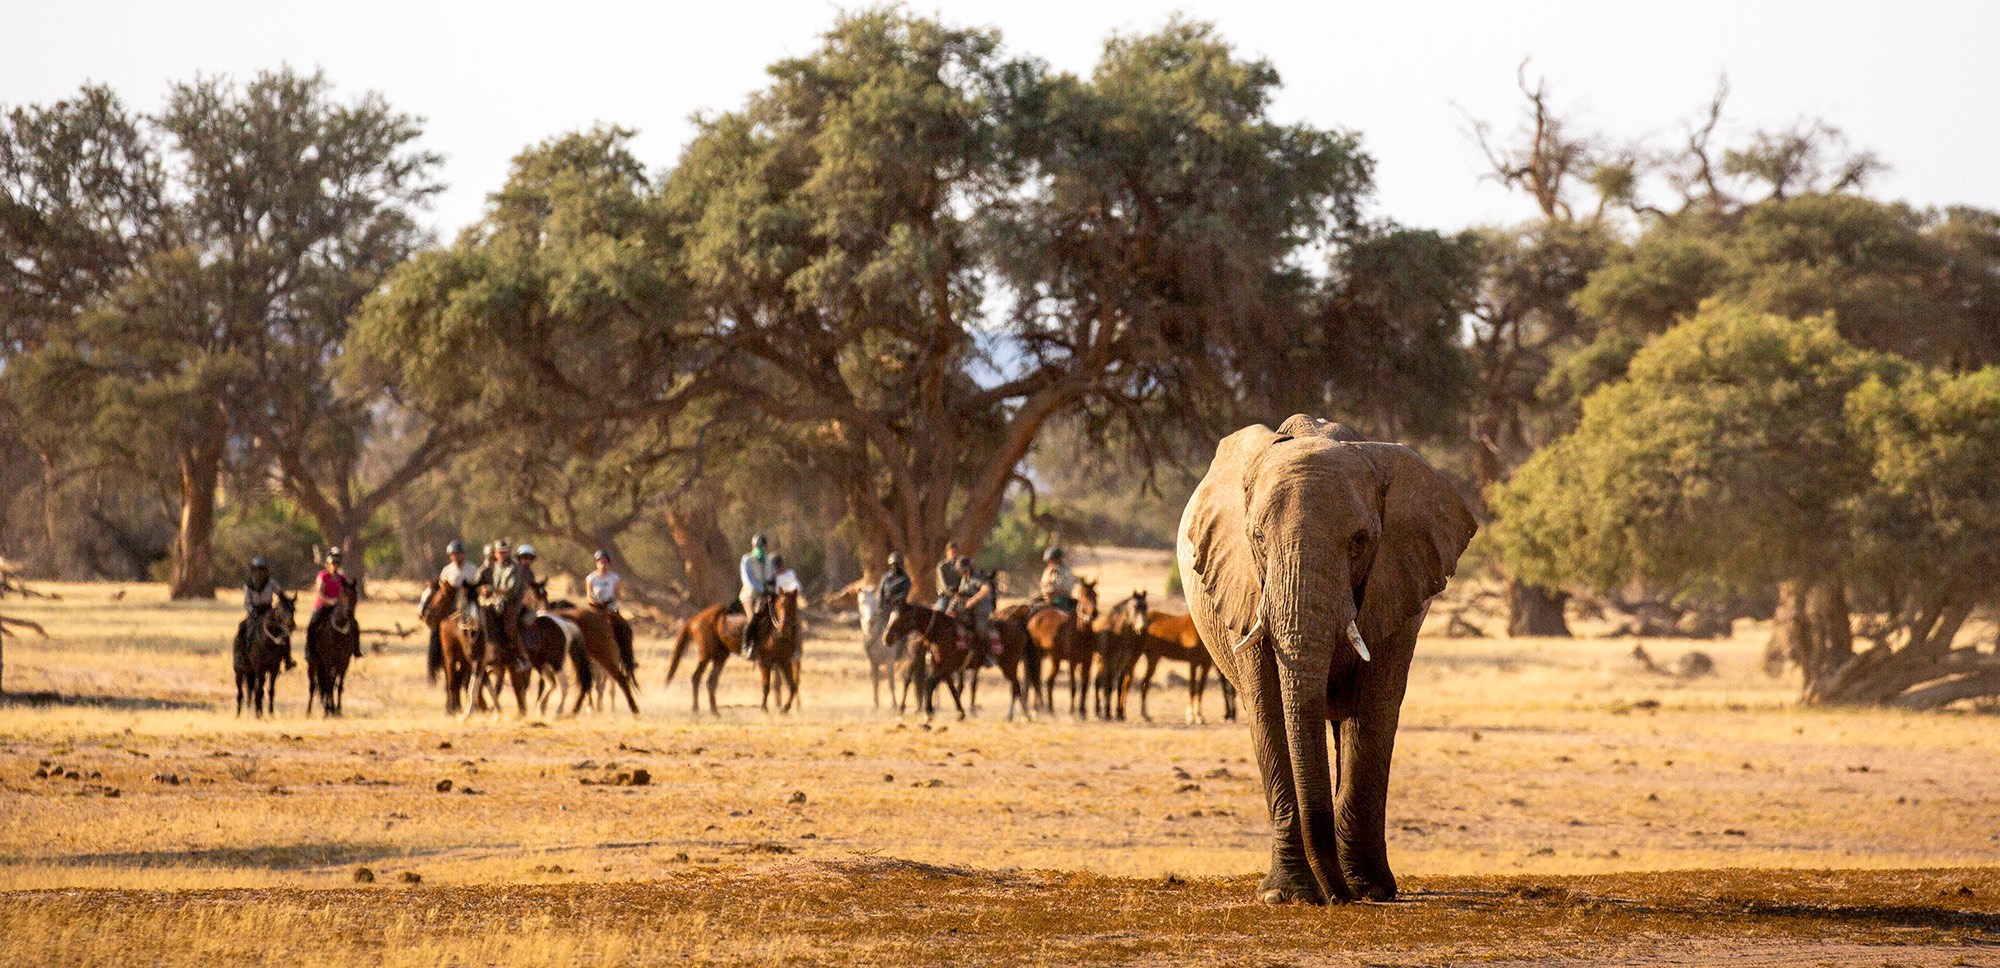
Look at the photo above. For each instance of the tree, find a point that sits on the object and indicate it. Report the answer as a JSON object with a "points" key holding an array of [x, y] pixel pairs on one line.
{"points": [[848, 227], [202, 293], [1745, 450]]}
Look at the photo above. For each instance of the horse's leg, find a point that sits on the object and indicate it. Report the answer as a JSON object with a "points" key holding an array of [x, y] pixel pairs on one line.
{"points": [[1146, 688], [955, 690], [694, 682], [714, 676], [764, 671]]}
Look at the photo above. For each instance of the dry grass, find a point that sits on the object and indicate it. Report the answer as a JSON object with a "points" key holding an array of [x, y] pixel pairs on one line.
{"points": [[1555, 763]]}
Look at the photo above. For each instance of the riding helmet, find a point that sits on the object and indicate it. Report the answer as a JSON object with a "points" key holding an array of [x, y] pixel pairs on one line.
{"points": [[456, 547], [502, 544], [333, 554], [895, 559], [759, 541], [259, 564], [1054, 553], [525, 551], [601, 555]]}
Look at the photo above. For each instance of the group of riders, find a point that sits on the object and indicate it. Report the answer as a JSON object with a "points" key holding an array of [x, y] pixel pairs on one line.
{"points": [[969, 595], [261, 593], [495, 596]]}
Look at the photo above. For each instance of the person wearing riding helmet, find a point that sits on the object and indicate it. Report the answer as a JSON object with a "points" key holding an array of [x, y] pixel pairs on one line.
{"points": [[462, 580], [893, 591], [947, 575], [602, 584], [1058, 582], [972, 601], [532, 585], [260, 592], [502, 587], [328, 587], [759, 576]]}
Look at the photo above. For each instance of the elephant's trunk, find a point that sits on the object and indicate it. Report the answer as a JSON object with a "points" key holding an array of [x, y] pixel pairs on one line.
{"points": [[1306, 626]]}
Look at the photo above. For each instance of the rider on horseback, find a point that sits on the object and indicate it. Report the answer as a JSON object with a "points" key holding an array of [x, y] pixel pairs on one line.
{"points": [[948, 575], [330, 585], [760, 578], [893, 591], [462, 579], [972, 603], [603, 584], [1058, 582], [261, 592], [503, 585]]}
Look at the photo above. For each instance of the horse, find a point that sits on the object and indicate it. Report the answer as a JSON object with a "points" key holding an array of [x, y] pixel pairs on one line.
{"points": [[1171, 636], [1068, 639], [599, 657], [881, 658], [259, 655], [1118, 635], [1020, 661], [466, 662], [946, 651], [332, 638], [780, 653], [716, 633]]}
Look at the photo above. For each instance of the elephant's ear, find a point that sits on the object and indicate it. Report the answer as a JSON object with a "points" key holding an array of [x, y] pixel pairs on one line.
{"points": [[1425, 527], [1215, 529], [1300, 425]]}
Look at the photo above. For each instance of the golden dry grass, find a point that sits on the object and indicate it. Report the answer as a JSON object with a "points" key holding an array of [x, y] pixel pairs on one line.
{"points": [[1533, 780]]}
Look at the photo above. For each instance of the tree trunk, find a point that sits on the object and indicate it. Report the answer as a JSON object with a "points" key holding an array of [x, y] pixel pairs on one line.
{"points": [[1812, 630], [194, 544], [1535, 611], [706, 561]]}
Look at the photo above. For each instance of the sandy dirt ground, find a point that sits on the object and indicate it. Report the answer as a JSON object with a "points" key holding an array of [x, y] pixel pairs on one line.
{"points": [[1551, 800]]}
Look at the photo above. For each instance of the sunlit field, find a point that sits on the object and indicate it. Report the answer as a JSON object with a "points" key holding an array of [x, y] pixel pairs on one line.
{"points": [[1541, 790]]}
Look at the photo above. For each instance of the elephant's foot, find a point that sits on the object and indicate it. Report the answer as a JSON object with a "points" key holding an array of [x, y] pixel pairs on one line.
{"points": [[1282, 886], [1374, 885]]}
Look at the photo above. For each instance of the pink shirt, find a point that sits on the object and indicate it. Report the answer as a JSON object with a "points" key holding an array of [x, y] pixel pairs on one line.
{"points": [[329, 588]]}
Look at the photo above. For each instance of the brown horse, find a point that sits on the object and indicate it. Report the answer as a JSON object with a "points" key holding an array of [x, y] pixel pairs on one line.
{"points": [[1019, 661], [1173, 637], [259, 655], [1118, 635], [1067, 639], [946, 650], [466, 662], [332, 638], [779, 657], [716, 635]]}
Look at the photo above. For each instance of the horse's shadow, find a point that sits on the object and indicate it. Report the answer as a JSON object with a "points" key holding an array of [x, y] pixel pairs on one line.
{"points": [[47, 698]]}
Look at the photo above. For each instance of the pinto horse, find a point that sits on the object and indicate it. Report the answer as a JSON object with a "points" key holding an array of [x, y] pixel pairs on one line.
{"points": [[1068, 640], [260, 655], [332, 638]]}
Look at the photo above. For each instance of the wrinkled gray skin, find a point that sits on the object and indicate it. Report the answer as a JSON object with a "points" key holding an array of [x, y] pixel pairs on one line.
{"points": [[1291, 537]]}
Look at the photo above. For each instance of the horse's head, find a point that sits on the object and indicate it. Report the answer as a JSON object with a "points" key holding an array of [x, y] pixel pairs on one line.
{"points": [[443, 601], [1128, 616], [279, 617], [1086, 600]]}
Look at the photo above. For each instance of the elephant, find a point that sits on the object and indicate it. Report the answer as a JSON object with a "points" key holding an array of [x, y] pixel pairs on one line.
{"points": [[1313, 556]]}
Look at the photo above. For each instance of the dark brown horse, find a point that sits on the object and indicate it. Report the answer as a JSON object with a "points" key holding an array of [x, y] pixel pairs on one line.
{"points": [[780, 655], [260, 655], [1068, 640], [943, 649], [332, 638], [1118, 635], [599, 657]]}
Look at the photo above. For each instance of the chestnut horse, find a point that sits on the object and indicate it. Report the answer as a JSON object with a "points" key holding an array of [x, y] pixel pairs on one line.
{"points": [[1173, 637], [465, 660], [716, 635], [597, 655], [260, 655], [779, 656], [1068, 640], [330, 646]]}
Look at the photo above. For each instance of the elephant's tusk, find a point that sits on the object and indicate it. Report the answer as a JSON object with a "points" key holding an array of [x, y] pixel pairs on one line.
{"points": [[1256, 631], [1354, 636]]}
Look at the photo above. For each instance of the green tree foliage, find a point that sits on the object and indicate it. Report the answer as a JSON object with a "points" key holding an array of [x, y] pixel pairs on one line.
{"points": [[1746, 449]]}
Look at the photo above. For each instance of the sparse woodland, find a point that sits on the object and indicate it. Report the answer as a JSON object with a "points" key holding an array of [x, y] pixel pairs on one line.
{"points": [[921, 286]]}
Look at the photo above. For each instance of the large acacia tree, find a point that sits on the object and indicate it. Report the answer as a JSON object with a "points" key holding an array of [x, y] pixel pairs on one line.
{"points": [[928, 250]]}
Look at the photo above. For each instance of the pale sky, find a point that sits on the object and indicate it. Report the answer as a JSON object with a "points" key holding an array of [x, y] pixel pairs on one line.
{"points": [[1913, 81]]}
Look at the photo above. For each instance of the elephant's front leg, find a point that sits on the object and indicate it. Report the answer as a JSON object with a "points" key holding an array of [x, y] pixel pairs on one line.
{"points": [[1366, 744], [1291, 878]]}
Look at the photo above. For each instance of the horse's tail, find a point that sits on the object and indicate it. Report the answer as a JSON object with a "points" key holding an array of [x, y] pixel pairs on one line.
{"points": [[579, 656], [680, 649], [434, 657]]}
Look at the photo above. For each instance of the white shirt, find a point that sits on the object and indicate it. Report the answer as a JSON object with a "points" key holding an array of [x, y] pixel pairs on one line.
{"points": [[454, 574], [603, 588], [788, 581]]}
